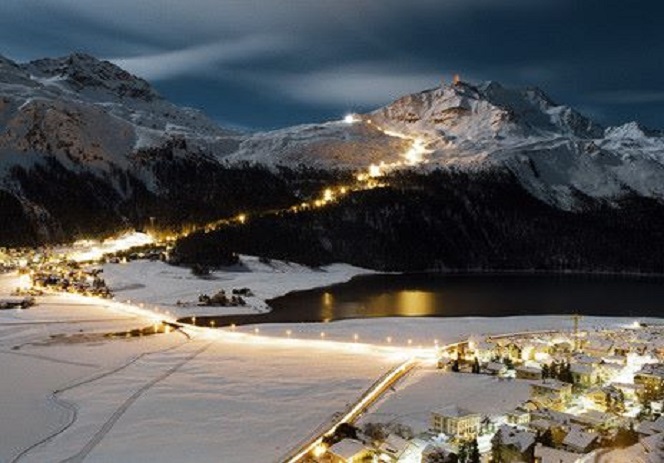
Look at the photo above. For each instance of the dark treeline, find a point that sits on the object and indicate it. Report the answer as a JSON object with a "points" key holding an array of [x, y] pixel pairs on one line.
{"points": [[451, 221], [59, 204]]}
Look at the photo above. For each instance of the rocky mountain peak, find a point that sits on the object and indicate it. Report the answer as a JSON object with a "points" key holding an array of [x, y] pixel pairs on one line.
{"points": [[631, 130], [487, 110], [11, 73], [82, 72]]}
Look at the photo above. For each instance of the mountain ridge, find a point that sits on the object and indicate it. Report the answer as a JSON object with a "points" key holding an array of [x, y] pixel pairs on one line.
{"points": [[86, 118]]}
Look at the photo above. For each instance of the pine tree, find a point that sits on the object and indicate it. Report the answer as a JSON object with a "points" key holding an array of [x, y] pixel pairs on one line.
{"points": [[455, 366], [496, 448], [474, 452], [476, 366], [463, 452]]}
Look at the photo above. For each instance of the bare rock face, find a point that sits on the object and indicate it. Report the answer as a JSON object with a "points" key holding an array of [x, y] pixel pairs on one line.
{"points": [[91, 113], [82, 72]]}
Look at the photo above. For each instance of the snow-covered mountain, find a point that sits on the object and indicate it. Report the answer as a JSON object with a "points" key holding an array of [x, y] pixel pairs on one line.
{"points": [[88, 113], [556, 152], [78, 120], [559, 155], [81, 135]]}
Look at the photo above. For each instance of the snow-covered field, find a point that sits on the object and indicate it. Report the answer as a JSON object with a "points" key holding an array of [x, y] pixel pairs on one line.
{"points": [[225, 402], [429, 389], [159, 284], [214, 395], [224, 397]]}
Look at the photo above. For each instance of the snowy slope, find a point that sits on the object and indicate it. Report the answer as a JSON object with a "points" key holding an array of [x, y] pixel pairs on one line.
{"points": [[559, 155], [330, 145], [90, 114], [554, 151]]}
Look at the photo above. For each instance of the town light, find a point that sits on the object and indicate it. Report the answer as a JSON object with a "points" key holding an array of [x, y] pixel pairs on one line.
{"points": [[375, 171], [319, 450]]}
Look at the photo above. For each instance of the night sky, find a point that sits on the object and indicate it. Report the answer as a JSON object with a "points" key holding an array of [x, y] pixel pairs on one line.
{"points": [[272, 63]]}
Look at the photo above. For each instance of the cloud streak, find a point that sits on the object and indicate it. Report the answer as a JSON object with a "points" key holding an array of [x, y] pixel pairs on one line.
{"points": [[199, 59], [275, 62], [362, 85]]}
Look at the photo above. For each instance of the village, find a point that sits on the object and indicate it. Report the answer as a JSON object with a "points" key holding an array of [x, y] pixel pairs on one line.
{"points": [[590, 393], [592, 396]]}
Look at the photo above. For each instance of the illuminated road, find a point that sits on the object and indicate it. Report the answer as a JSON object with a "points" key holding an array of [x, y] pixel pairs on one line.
{"points": [[365, 401]]}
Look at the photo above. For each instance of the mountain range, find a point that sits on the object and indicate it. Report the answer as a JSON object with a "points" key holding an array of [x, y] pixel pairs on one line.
{"points": [[86, 149]]}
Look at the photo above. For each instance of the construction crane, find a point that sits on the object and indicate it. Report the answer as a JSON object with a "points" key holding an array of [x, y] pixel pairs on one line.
{"points": [[577, 343]]}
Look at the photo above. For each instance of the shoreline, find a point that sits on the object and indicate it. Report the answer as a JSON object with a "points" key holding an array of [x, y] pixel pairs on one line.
{"points": [[270, 283]]}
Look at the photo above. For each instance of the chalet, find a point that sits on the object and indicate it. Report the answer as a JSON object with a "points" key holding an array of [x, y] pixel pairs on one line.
{"points": [[484, 350], [537, 349], [548, 455], [524, 372], [392, 448], [518, 417], [552, 392], [599, 347], [621, 349], [514, 444], [579, 440], [562, 347], [598, 396], [347, 451], [496, 368], [651, 378], [584, 374], [595, 419], [456, 422]]}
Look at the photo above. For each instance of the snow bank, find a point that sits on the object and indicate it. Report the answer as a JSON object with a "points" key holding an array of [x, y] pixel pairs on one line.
{"points": [[159, 284]]}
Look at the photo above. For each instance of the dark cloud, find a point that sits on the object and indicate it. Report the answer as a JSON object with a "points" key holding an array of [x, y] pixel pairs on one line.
{"points": [[270, 63]]}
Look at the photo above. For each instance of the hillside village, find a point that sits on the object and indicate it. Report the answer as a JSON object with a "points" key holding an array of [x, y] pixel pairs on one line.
{"points": [[593, 396]]}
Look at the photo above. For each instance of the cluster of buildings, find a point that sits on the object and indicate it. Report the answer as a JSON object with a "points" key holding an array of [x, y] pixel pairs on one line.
{"points": [[590, 393], [221, 299], [71, 278]]}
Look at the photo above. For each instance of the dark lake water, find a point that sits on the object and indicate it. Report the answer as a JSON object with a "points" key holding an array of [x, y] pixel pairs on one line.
{"points": [[437, 295]]}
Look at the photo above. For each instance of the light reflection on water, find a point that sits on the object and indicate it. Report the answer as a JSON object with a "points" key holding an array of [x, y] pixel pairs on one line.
{"points": [[420, 295], [407, 303]]}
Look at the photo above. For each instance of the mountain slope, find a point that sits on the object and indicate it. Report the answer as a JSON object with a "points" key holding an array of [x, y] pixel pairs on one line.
{"points": [[86, 147], [558, 155]]}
